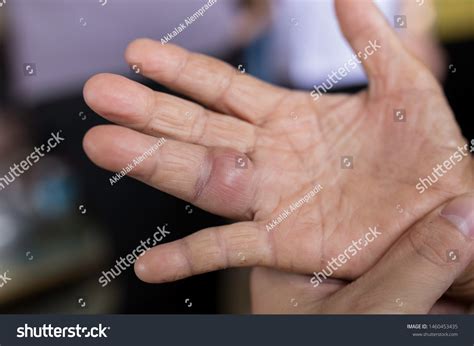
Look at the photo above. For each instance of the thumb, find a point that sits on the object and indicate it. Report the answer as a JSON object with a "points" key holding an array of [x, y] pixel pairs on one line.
{"points": [[422, 265], [387, 63]]}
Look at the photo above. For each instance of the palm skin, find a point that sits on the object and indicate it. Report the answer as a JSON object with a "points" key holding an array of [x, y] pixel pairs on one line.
{"points": [[375, 192], [293, 143], [294, 155]]}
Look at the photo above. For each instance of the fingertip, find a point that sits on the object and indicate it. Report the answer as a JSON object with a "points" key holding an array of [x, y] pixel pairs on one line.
{"points": [[117, 98], [156, 60], [112, 147], [89, 140], [134, 48], [93, 86], [460, 212], [144, 52], [163, 263], [141, 270]]}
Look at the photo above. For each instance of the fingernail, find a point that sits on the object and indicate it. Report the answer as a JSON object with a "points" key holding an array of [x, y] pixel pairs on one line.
{"points": [[460, 212]]}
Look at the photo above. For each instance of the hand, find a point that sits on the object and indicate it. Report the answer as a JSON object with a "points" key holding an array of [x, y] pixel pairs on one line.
{"points": [[410, 278], [287, 156]]}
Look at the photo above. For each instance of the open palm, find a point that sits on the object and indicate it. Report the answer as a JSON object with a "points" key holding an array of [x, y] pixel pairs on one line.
{"points": [[254, 149]]}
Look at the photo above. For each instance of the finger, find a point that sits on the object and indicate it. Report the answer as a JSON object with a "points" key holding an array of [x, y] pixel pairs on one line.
{"points": [[236, 245], [420, 267], [279, 292], [206, 177], [463, 287], [209, 81], [447, 307], [131, 104], [388, 65]]}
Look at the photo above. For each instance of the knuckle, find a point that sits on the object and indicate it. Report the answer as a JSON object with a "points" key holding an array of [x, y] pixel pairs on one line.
{"points": [[433, 241]]}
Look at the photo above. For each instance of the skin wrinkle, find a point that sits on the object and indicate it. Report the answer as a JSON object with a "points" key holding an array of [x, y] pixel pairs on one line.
{"points": [[206, 168], [203, 113], [222, 246], [339, 123], [421, 246], [265, 213], [153, 171], [436, 187], [205, 116], [333, 103], [273, 249], [320, 142], [291, 222], [261, 213], [187, 255], [151, 107], [186, 57], [356, 124], [324, 234], [293, 146], [283, 149], [250, 212], [155, 105], [388, 95], [317, 115], [222, 96], [377, 84], [250, 150], [260, 178], [343, 127], [267, 117]]}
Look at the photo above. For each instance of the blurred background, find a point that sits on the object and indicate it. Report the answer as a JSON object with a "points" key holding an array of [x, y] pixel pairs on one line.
{"points": [[62, 225]]}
